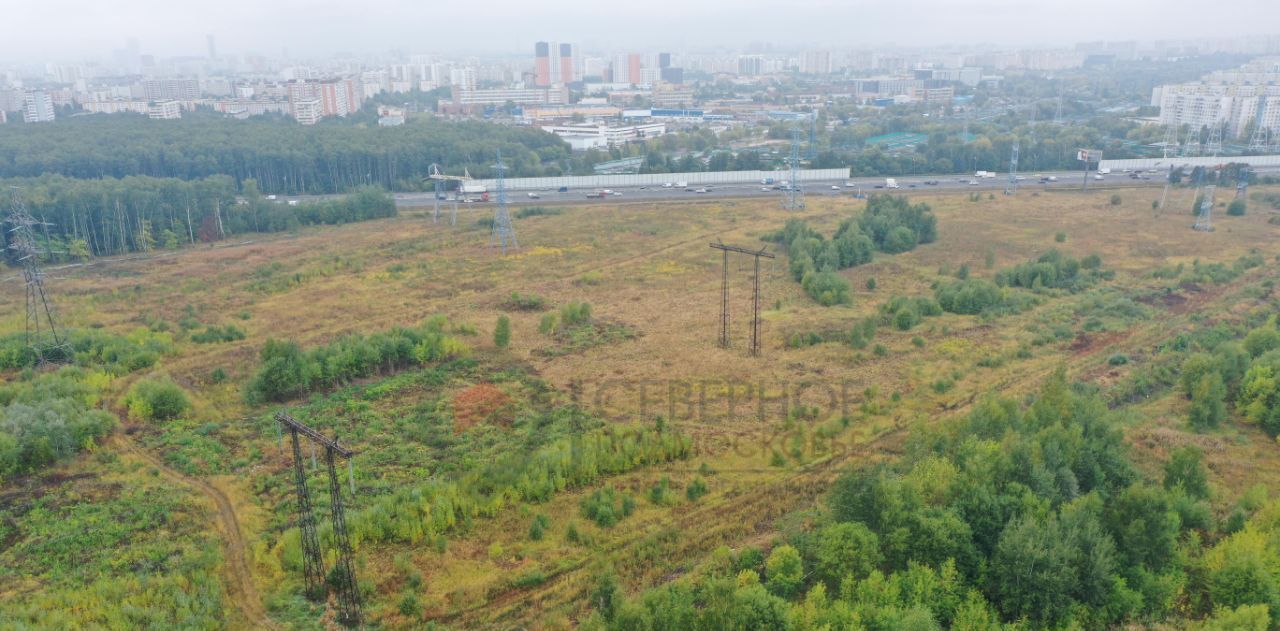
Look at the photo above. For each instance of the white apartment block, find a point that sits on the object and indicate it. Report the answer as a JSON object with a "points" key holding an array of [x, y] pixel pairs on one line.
{"points": [[307, 111], [37, 107], [164, 110], [1204, 105]]}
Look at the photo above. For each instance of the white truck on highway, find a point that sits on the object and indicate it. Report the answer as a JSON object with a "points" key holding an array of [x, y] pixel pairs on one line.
{"points": [[891, 183]]}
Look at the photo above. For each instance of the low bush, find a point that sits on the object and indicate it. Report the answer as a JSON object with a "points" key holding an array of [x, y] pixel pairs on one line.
{"points": [[157, 399], [524, 302], [215, 334], [968, 297]]}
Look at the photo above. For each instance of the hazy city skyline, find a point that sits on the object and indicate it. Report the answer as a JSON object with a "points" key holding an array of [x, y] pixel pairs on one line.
{"points": [[75, 29]]}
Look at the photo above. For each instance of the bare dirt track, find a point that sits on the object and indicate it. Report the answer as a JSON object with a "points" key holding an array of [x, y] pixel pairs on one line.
{"points": [[240, 587]]}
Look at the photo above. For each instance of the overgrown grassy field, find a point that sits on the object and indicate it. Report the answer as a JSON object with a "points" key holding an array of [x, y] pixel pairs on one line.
{"points": [[623, 437]]}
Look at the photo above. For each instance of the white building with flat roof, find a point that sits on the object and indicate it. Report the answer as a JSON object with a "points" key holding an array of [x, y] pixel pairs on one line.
{"points": [[606, 134]]}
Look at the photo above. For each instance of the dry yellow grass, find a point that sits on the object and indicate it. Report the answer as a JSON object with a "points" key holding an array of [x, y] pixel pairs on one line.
{"points": [[651, 268]]}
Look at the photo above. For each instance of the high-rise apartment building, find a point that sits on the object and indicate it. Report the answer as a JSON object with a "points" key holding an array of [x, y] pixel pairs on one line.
{"points": [[1205, 105], [567, 64], [542, 64], [37, 107], [336, 97], [171, 89]]}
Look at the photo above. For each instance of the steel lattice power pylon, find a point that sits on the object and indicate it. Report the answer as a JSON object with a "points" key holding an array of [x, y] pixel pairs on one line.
{"points": [[1259, 141], [343, 578], [43, 336], [1013, 170], [504, 234], [1214, 146], [438, 176], [755, 294], [1204, 220], [1191, 146], [793, 198], [1170, 144]]}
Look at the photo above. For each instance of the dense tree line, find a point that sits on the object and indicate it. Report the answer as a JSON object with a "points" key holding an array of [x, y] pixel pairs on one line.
{"points": [[287, 371], [282, 156], [92, 217], [890, 223], [1022, 516]]}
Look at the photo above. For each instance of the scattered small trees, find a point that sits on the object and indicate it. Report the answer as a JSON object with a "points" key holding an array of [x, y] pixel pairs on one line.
{"points": [[502, 332], [890, 224]]}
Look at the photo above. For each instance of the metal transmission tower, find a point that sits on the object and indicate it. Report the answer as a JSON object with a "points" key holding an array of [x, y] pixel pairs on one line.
{"points": [[1242, 183], [344, 576], [1191, 146], [1258, 141], [755, 294], [1170, 141], [503, 232], [1013, 170], [42, 329], [312, 562], [793, 198], [1214, 146], [438, 176], [724, 296], [1168, 182], [813, 135], [1057, 113], [1204, 220]]}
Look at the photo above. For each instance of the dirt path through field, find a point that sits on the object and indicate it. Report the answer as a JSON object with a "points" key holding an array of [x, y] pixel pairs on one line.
{"points": [[240, 588]]}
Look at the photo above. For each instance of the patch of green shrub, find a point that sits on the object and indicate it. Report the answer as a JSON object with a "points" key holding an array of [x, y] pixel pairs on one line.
{"points": [[157, 399]]}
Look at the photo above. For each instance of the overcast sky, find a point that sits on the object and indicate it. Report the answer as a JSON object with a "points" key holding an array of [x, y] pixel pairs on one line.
{"points": [[39, 30]]}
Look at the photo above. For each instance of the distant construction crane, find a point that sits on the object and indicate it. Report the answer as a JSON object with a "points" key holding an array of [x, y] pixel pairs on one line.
{"points": [[503, 234], [793, 196], [343, 577], [42, 335], [438, 176]]}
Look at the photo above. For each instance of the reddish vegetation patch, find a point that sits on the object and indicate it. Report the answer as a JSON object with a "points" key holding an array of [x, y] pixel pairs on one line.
{"points": [[481, 403], [1085, 344]]}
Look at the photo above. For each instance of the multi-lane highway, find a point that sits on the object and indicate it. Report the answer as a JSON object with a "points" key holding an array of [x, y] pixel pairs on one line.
{"points": [[849, 187]]}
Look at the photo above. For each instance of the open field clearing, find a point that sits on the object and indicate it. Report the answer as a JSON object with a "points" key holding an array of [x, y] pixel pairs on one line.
{"points": [[495, 483]]}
